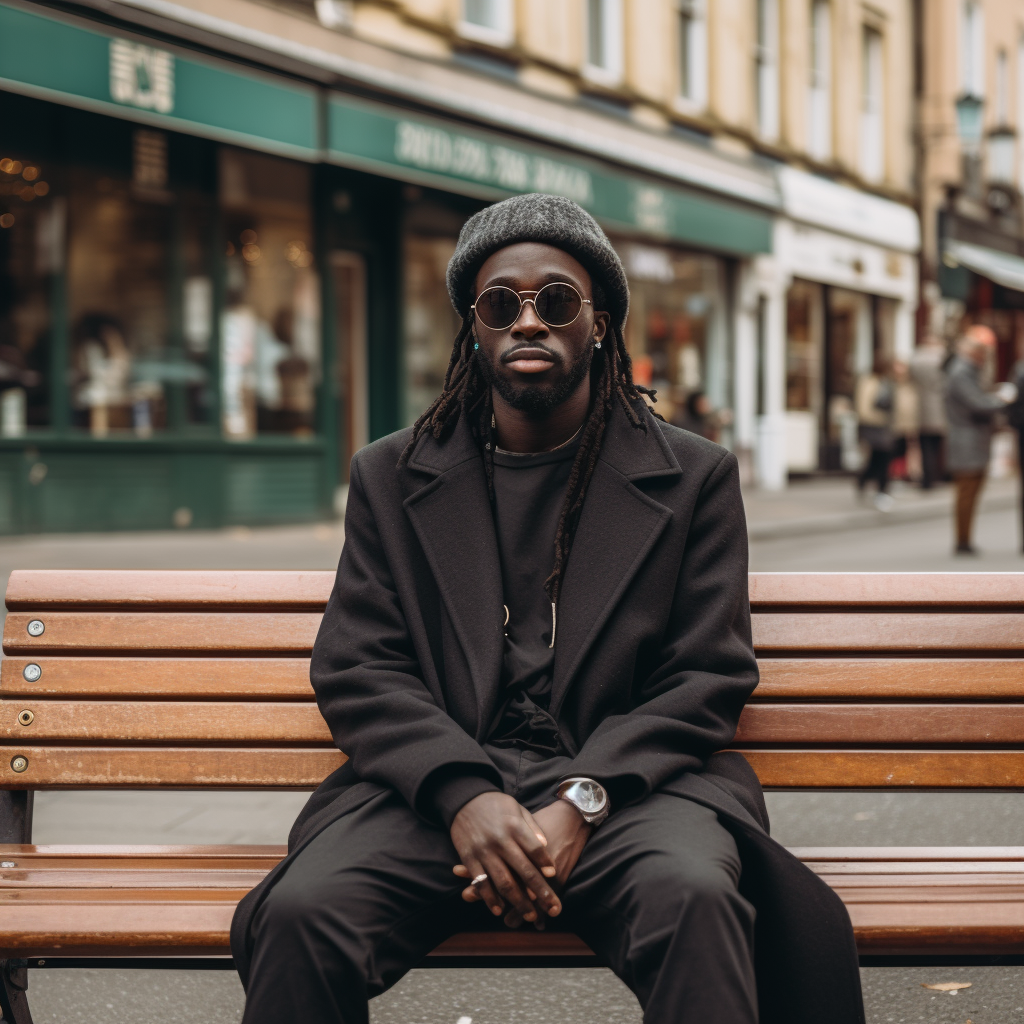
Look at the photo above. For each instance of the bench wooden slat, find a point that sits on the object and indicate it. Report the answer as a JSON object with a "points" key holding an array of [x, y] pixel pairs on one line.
{"points": [[875, 589], [164, 721], [884, 631], [288, 678], [68, 767], [899, 678], [204, 589], [200, 589], [890, 724], [274, 632], [133, 678], [291, 722], [888, 769], [270, 632], [168, 767]]}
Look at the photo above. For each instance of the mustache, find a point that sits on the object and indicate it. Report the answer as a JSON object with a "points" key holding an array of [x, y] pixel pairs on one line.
{"points": [[508, 356]]}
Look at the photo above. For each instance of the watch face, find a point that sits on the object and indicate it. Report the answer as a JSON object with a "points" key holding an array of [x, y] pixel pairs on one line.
{"points": [[590, 797]]}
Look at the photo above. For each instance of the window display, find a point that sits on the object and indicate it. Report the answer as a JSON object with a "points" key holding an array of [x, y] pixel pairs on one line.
{"points": [[676, 335], [270, 332], [31, 239]]}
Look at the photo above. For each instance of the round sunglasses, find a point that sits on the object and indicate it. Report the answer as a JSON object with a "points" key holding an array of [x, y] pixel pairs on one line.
{"points": [[557, 304]]}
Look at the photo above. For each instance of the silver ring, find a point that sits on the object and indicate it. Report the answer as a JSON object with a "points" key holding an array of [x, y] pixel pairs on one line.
{"points": [[479, 879]]}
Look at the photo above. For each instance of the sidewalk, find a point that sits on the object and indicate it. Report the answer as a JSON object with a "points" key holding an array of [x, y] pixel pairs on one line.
{"points": [[828, 505]]}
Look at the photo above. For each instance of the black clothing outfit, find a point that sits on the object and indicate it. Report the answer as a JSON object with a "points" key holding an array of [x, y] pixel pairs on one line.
{"points": [[877, 469], [652, 665], [931, 459], [374, 892]]}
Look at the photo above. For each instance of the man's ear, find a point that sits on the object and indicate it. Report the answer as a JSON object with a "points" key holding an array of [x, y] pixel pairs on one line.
{"points": [[601, 323]]}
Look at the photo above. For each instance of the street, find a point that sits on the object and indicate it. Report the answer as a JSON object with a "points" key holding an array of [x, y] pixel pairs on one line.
{"points": [[893, 995]]}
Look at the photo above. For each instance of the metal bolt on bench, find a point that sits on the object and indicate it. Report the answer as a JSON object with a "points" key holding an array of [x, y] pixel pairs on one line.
{"points": [[200, 679]]}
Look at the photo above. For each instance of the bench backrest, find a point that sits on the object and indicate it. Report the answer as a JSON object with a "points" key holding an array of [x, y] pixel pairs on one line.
{"points": [[200, 679]]}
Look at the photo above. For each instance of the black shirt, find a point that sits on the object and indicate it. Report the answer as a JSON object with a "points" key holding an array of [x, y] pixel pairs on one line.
{"points": [[529, 492]]}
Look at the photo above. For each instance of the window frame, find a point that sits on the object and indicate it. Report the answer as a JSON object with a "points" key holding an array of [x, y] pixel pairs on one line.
{"points": [[691, 56], [767, 113], [611, 72], [819, 86], [872, 104], [502, 36]]}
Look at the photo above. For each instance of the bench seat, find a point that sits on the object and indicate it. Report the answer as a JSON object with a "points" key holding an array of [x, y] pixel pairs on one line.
{"points": [[157, 901]]}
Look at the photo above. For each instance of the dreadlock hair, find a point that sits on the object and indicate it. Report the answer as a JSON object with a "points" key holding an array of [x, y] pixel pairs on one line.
{"points": [[467, 393]]}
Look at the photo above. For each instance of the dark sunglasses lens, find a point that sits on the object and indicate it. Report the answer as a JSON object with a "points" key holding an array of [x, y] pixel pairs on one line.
{"points": [[558, 304], [498, 308]]}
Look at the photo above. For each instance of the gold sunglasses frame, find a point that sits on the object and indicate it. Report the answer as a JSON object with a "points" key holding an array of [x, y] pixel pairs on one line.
{"points": [[533, 301]]}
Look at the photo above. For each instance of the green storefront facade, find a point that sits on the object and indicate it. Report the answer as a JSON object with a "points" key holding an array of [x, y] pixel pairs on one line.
{"points": [[216, 283]]}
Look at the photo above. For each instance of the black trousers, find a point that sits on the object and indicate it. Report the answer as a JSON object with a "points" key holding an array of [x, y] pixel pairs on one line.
{"points": [[655, 893], [931, 459], [877, 469]]}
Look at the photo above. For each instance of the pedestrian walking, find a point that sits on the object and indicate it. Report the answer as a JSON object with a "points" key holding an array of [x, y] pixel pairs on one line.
{"points": [[906, 422], [1015, 417], [970, 411], [875, 402], [927, 373]]}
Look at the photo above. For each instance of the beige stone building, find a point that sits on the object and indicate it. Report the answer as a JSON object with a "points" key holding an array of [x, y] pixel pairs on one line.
{"points": [[251, 227]]}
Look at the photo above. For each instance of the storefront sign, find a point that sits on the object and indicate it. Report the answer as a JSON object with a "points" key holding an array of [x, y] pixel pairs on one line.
{"points": [[435, 152], [83, 67]]}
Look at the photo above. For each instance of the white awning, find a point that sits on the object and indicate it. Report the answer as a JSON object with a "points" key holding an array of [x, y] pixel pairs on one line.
{"points": [[1002, 267]]}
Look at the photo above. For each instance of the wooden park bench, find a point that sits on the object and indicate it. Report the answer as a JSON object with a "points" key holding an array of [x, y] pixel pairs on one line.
{"points": [[172, 680]]}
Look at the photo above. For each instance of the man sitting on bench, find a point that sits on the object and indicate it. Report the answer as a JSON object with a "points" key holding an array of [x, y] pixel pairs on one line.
{"points": [[537, 644]]}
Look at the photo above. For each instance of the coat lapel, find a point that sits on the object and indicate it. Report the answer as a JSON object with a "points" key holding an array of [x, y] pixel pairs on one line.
{"points": [[618, 527], [452, 517]]}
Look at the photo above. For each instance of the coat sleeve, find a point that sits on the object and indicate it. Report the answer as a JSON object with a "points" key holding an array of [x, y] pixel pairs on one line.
{"points": [[370, 690], [688, 700], [981, 404]]}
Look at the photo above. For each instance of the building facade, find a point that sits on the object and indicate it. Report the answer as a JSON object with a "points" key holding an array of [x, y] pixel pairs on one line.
{"points": [[971, 115], [224, 225]]}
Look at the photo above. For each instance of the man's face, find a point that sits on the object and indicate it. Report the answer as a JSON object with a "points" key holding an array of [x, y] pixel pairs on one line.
{"points": [[532, 366]]}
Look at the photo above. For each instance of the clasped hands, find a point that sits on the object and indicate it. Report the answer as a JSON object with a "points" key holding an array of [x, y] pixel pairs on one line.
{"points": [[524, 856]]}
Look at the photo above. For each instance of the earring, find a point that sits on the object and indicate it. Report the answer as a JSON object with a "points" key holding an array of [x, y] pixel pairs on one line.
{"points": [[597, 344], [476, 345]]}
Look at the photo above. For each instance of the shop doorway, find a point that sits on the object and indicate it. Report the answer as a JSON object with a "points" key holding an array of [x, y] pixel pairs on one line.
{"points": [[348, 278]]}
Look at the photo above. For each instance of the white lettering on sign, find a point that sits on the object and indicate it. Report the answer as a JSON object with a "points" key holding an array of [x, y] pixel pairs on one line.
{"points": [[434, 149], [141, 76], [650, 208]]}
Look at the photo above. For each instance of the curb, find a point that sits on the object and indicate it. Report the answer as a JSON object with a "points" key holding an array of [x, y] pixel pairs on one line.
{"points": [[865, 518]]}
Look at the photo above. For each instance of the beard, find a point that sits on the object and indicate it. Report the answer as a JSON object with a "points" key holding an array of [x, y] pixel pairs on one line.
{"points": [[538, 398]]}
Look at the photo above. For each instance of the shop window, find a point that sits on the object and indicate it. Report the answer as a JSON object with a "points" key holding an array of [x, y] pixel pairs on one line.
{"points": [[139, 293], [32, 214], [270, 330], [676, 335], [430, 322], [804, 389]]}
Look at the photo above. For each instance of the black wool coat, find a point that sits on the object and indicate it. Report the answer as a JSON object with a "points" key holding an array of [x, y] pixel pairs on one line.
{"points": [[653, 663]]}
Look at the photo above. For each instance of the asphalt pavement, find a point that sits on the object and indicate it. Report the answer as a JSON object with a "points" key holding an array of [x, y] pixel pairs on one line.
{"points": [[916, 538]]}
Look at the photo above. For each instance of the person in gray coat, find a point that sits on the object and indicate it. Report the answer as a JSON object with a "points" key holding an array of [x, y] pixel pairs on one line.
{"points": [[970, 410]]}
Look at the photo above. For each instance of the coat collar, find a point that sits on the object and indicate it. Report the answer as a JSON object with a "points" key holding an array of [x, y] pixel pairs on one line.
{"points": [[619, 525]]}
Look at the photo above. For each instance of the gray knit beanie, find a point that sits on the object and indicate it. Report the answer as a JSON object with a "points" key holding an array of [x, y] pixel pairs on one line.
{"points": [[537, 218]]}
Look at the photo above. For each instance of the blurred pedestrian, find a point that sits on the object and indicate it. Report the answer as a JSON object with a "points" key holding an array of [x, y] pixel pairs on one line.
{"points": [[698, 416], [1015, 416], [875, 402], [926, 370], [970, 410], [906, 422]]}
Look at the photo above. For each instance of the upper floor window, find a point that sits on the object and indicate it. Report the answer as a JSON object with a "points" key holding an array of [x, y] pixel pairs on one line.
{"points": [[872, 129], [489, 21], [693, 58], [766, 68], [819, 134], [972, 42], [604, 39]]}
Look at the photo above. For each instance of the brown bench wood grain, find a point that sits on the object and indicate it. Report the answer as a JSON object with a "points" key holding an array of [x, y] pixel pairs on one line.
{"points": [[201, 679]]}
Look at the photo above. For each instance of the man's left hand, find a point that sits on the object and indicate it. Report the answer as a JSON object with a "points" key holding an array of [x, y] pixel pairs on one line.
{"points": [[567, 833]]}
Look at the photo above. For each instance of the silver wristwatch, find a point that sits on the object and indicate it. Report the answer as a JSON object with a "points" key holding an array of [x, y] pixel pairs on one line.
{"points": [[588, 797]]}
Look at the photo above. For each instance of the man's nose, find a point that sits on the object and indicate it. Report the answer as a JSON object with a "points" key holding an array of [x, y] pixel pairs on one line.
{"points": [[529, 324]]}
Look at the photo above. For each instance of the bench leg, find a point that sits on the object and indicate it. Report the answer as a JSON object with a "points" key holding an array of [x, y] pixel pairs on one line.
{"points": [[13, 994], [16, 815]]}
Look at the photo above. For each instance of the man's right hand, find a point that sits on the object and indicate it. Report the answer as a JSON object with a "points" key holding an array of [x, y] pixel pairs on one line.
{"points": [[494, 835]]}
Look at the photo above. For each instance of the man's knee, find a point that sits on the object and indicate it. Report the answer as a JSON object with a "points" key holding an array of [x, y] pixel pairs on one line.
{"points": [[676, 889]]}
